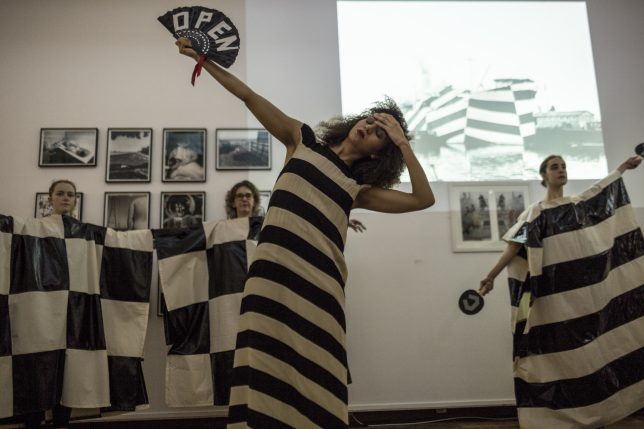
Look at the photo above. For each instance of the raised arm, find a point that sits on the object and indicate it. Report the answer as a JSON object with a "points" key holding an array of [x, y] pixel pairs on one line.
{"points": [[630, 164], [276, 122], [392, 201], [487, 284]]}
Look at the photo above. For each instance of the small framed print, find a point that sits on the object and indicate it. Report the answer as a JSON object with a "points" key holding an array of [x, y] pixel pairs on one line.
{"points": [[184, 155], [68, 147], [126, 211], [129, 152], [481, 214], [182, 209], [43, 208], [243, 149], [264, 198]]}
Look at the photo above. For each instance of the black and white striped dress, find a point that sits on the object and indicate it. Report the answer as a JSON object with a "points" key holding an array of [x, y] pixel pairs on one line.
{"points": [[290, 368]]}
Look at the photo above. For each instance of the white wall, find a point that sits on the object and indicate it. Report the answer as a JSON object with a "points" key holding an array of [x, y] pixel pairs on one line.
{"points": [[80, 63]]}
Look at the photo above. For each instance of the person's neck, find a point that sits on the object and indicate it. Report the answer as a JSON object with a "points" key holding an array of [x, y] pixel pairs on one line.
{"points": [[554, 193], [346, 153]]}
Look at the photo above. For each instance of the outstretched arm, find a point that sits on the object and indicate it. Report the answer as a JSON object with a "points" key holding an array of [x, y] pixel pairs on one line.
{"points": [[283, 127], [630, 164], [392, 201], [487, 284]]}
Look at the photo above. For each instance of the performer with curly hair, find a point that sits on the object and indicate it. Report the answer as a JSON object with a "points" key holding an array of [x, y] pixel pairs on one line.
{"points": [[290, 367]]}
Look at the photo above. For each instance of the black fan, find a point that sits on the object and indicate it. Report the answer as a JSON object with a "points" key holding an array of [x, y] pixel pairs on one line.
{"points": [[639, 149], [212, 33]]}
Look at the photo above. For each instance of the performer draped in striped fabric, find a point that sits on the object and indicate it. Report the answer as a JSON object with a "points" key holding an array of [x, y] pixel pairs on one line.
{"points": [[576, 277], [290, 367]]}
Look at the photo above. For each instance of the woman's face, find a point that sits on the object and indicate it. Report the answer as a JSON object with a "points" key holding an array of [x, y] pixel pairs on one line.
{"points": [[556, 174], [63, 199], [243, 201], [368, 138]]}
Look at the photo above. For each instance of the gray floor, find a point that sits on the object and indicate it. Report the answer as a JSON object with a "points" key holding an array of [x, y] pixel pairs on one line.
{"points": [[636, 422]]}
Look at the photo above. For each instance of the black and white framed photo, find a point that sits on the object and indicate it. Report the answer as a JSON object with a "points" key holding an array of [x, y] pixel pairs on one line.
{"points": [[68, 147], [126, 211], [182, 209], [184, 155], [43, 207], [129, 152], [481, 214], [243, 149], [264, 198]]}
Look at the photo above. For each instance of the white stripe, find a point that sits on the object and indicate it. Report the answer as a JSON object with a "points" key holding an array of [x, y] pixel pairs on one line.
{"points": [[493, 136], [188, 381], [5, 263], [125, 324], [6, 381], [502, 118], [184, 279], [86, 381], [140, 240]]}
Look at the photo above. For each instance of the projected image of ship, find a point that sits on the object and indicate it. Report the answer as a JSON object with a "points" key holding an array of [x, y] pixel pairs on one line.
{"points": [[497, 132]]}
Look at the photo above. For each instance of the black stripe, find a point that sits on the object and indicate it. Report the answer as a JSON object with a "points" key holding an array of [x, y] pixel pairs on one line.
{"points": [[476, 142], [126, 274], [221, 364], [5, 326], [254, 227], [291, 202], [517, 289], [583, 391], [519, 341], [319, 180], [187, 329], [280, 274], [76, 229], [84, 322], [308, 136], [571, 217], [280, 312], [583, 272], [287, 354], [574, 333], [37, 381], [38, 264], [491, 126], [255, 419], [6, 224], [172, 242], [127, 385], [284, 392], [494, 106], [286, 239], [526, 118], [227, 264]]}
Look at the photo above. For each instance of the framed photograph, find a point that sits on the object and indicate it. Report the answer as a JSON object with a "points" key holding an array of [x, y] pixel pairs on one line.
{"points": [[182, 209], [243, 149], [482, 213], [68, 147], [128, 154], [184, 155], [126, 211], [43, 208], [264, 198]]}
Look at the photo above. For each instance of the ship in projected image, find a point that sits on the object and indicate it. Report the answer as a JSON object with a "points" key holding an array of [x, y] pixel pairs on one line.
{"points": [[501, 119]]}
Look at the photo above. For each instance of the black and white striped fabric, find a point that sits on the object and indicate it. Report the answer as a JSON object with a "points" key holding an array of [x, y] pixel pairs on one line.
{"points": [[73, 315], [577, 292], [202, 272]]}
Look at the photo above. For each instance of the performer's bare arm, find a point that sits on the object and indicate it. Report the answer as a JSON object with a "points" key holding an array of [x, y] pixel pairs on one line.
{"points": [[487, 284], [392, 201], [276, 122], [630, 164]]}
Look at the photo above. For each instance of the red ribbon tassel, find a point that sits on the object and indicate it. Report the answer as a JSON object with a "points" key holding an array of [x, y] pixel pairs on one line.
{"points": [[197, 71]]}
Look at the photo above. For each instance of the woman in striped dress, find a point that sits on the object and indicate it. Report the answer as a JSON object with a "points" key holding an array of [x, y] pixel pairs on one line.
{"points": [[290, 368]]}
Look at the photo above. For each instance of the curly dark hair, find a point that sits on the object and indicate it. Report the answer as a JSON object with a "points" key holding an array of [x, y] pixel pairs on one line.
{"points": [[230, 199], [385, 169]]}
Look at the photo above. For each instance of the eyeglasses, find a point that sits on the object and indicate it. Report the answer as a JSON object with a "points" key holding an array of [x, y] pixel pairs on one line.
{"points": [[247, 195]]}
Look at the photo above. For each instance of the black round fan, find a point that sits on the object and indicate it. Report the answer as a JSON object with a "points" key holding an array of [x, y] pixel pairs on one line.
{"points": [[212, 34]]}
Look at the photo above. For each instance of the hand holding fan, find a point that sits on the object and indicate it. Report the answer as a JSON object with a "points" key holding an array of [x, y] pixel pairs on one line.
{"points": [[212, 34]]}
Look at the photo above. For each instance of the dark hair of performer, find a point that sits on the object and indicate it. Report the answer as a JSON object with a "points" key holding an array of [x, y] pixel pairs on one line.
{"points": [[554, 177], [242, 200], [62, 197]]}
